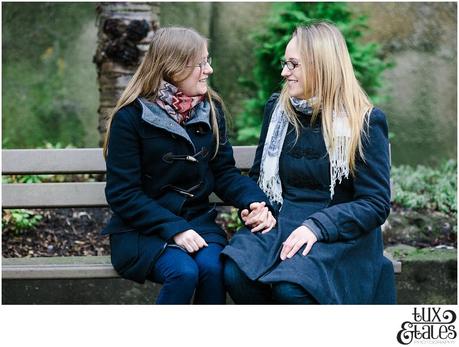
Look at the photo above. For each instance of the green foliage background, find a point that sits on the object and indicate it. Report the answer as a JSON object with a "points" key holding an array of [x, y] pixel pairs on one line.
{"points": [[270, 46], [49, 82], [426, 188]]}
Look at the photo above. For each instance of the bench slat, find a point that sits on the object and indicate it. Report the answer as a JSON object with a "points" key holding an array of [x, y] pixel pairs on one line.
{"points": [[54, 195], [80, 160], [57, 267], [52, 161], [69, 267], [396, 263], [48, 195], [244, 156]]}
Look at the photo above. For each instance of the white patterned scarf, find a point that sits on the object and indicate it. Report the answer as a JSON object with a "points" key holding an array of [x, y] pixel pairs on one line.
{"points": [[269, 180]]}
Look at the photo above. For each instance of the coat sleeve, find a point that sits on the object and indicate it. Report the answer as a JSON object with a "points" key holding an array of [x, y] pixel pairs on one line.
{"points": [[254, 172], [124, 186], [230, 185], [370, 206]]}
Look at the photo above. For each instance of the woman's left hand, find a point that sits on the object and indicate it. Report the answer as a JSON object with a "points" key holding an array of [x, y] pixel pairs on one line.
{"points": [[300, 236]]}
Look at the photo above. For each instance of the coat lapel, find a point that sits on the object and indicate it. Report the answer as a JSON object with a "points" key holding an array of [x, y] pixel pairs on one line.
{"points": [[156, 116]]}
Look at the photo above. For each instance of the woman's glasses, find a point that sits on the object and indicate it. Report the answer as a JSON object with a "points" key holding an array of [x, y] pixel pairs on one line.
{"points": [[291, 64], [203, 63]]}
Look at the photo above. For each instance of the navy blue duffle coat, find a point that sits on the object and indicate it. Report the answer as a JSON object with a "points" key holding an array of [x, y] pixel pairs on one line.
{"points": [[347, 266], [159, 178]]}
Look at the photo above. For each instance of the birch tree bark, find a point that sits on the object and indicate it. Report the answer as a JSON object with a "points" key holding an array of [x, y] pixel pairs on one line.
{"points": [[124, 31]]}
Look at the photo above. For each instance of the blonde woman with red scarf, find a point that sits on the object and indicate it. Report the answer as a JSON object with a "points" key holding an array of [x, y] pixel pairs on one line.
{"points": [[166, 152]]}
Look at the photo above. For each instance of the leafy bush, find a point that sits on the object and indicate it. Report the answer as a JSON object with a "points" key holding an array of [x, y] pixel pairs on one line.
{"points": [[24, 178], [270, 45], [52, 178], [426, 188], [231, 221], [20, 219]]}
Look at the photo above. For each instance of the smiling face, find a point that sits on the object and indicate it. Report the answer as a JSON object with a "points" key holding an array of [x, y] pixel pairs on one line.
{"points": [[196, 83], [295, 78]]}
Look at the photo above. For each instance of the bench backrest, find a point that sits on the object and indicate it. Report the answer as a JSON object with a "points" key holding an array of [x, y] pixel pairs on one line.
{"points": [[69, 161]]}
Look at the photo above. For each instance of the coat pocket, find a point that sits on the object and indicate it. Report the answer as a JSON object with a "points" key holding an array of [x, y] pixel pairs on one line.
{"points": [[124, 250]]}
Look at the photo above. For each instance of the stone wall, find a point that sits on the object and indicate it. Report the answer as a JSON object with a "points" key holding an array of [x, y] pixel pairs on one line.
{"points": [[428, 277], [420, 38]]}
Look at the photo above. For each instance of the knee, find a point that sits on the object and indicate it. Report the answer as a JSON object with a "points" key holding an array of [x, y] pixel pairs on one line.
{"points": [[291, 293], [211, 269], [185, 275], [232, 275]]}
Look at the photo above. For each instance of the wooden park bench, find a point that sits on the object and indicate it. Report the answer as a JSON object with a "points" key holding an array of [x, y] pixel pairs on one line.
{"points": [[69, 195]]}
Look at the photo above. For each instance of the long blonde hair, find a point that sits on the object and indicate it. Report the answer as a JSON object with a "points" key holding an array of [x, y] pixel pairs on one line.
{"points": [[329, 75], [170, 51]]}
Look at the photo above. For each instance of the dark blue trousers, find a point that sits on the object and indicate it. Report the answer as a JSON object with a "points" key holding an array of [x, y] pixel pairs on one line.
{"points": [[245, 291], [184, 274]]}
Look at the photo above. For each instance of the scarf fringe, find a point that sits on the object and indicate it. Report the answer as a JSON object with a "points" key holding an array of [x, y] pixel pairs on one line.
{"points": [[271, 188], [339, 166]]}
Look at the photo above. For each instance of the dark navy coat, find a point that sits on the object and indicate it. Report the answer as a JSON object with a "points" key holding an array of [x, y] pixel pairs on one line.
{"points": [[159, 178], [347, 266]]}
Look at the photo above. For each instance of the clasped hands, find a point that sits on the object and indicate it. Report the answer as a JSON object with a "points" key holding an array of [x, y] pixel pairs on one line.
{"points": [[259, 219]]}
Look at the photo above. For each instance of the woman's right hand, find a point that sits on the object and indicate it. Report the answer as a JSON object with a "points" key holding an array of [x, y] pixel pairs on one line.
{"points": [[190, 240]]}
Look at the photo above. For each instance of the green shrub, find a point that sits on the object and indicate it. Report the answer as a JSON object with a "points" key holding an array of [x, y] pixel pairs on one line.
{"points": [[270, 45], [231, 221], [24, 178], [20, 219], [426, 188]]}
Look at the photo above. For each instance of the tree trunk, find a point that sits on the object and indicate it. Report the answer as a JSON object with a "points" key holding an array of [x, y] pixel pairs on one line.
{"points": [[125, 30]]}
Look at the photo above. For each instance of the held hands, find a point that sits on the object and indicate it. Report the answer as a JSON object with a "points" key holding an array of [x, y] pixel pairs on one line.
{"points": [[259, 218], [300, 236], [190, 240]]}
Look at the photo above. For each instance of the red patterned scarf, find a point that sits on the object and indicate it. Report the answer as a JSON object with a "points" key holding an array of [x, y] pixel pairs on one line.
{"points": [[175, 103]]}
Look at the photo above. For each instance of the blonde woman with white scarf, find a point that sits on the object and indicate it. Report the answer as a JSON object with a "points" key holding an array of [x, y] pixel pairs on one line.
{"points": [[323, 160]]}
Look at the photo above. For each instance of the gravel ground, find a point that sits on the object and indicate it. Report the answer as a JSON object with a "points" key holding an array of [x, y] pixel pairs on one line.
{"points": [[75, 232], [61, 232]]}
